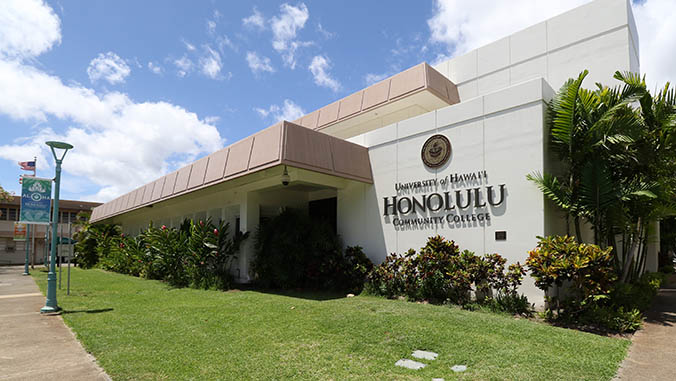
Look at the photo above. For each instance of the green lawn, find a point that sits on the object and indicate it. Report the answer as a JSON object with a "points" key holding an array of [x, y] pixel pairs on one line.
{"points": [[144, 330]]}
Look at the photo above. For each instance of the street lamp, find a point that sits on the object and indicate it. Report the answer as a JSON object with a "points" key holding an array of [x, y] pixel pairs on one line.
{"points": [[51, 305]]}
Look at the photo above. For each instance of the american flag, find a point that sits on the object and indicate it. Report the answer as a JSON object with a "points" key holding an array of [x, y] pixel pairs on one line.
{"points": [[27, 165]]}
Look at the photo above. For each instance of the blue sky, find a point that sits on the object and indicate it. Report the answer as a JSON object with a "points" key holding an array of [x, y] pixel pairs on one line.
{"points": [[143, 87]]}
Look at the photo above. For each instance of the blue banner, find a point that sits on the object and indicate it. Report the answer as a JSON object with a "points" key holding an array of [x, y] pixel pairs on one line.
{"points": [[36, 200]]}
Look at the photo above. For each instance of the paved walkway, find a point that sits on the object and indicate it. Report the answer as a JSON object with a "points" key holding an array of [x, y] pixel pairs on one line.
{"points": [[35, 346], [652, 355]]}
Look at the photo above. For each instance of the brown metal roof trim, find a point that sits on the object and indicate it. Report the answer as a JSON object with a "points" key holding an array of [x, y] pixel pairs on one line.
{"points": [[284, 143], [418, 78]]}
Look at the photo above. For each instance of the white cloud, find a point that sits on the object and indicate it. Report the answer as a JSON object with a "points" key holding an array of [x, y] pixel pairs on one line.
{"points": [[155, 68], [289, 111], [256, 20], [119, 143], [284, 27], [108, 66], [224, 41], [462, 26], [372, 78], [325, 33], [211, 27], [319, 68], [189, 46], [466, 25], [657, 36], [258, 63], [27, 28], [210, 63], [184, 65]]}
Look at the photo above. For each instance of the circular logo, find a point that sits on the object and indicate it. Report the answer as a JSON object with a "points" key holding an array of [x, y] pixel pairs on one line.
{"points": [[436, 151], [36, 197]]}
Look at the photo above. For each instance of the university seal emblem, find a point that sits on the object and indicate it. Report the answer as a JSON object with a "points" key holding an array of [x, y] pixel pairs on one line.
{"points": [[436, 151]]}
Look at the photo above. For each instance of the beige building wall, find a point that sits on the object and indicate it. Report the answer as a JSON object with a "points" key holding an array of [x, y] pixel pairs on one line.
{"points": [[600, 36]]}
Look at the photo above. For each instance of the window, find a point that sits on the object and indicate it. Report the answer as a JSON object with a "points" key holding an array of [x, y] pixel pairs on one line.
{"points": [[3, 214], [12, 214]]}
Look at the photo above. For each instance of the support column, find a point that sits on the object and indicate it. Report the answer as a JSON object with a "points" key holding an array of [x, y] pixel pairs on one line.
{"points": [[249, 216], [652, 255]]}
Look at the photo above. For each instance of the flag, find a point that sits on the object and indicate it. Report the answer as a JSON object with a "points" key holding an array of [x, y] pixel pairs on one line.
{"points": [[27, 165]]}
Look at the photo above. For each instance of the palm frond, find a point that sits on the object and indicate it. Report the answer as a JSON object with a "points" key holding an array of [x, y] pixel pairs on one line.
{"points": [[564, 109], [550, 186]]}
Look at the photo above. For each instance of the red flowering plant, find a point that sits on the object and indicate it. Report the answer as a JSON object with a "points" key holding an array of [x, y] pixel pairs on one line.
{"points": [[212, 251]]}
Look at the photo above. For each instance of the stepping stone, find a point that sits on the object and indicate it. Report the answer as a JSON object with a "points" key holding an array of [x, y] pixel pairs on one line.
{"points": [[425, 355], [459, 368], [437, 379], [410, 364]]}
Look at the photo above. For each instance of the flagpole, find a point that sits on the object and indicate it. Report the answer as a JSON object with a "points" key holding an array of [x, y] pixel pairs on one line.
{"points": [[35, 166]]}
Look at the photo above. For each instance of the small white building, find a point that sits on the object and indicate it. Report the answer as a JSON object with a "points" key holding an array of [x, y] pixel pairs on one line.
{"points": [[432, 150]]}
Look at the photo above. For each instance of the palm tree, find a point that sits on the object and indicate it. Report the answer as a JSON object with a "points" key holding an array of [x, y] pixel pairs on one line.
{"points": [[617, 150]]}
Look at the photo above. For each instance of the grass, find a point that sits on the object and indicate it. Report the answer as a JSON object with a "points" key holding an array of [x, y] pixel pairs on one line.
{"points": [[143, 330]]}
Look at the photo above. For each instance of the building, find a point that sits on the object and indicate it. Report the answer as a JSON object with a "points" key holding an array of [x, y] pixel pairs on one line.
{"points": [[441, 149], [14, 252]]}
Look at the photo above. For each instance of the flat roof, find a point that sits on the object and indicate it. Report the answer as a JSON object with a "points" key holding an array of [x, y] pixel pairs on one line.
{"points": [[63, 204], [284, 143]]}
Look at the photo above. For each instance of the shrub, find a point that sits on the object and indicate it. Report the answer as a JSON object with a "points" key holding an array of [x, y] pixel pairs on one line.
{"points": [[125, 255], [295, 251], [92, 242], [196, 254], [357, 267], [593, 297], [667, 269], [441, 273], [388, 278], [613, 318], [559, 259]]}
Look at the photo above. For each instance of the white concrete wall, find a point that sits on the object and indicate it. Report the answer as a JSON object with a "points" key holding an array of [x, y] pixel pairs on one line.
{"points": [[600, 36], [501, 133]]}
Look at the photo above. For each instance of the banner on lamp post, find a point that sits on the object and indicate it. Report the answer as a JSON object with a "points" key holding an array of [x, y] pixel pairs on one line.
{"points": [[36, 198], [19, 231]]}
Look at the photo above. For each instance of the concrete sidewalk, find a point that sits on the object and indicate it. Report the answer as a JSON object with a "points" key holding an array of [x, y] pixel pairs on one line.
{"points": [[652, 355], [35, 346]]}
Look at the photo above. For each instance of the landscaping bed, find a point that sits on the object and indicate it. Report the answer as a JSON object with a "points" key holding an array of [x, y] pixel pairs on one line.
{"points": [[144, 329]]}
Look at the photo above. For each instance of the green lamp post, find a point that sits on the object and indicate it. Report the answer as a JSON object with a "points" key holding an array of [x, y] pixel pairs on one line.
{"points": [[28, 248], [51, 305]]}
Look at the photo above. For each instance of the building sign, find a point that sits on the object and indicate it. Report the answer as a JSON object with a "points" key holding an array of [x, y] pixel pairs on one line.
{"points": [[36, 196], [463, 199], [19, 231], [436, 151]]}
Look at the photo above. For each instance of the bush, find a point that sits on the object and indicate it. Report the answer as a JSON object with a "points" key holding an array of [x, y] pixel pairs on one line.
{"points": [[388, 278], [592, 297], [295, 251], [588, 268], [667, 269], [357, 268], [441, 273], [196, 254], [92, 242], [612, 318]]}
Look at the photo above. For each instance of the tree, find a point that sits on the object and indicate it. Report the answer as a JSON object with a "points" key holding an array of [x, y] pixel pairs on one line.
{"points": [[617, 150], [4, 195]]}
